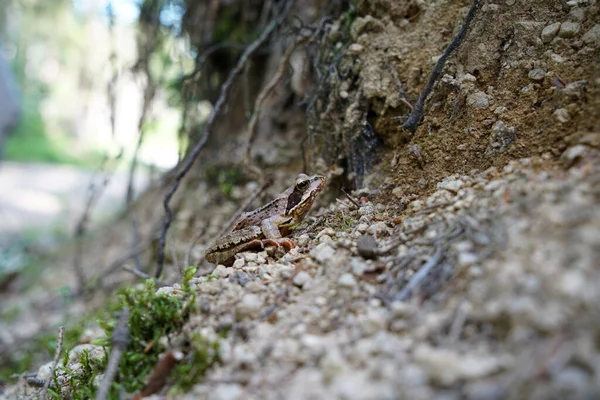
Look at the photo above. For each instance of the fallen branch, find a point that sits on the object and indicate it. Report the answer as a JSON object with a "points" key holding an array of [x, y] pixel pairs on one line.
{"points": [[415, 116], [61, 333], [120, 339], [223, 96]]}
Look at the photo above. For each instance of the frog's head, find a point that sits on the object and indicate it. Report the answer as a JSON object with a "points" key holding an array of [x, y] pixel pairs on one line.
{"points": [[303, 194]]}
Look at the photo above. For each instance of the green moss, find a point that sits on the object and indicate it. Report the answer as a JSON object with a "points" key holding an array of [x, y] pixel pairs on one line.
{"points": [[343, 222], [201, 355], [152, 317]]}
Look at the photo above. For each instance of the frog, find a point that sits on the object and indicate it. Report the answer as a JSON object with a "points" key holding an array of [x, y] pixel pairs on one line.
{"points": [[269, 224]]}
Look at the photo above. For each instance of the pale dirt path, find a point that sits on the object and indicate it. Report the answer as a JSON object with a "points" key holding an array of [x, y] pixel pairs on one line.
{"points": [[46, 196]]}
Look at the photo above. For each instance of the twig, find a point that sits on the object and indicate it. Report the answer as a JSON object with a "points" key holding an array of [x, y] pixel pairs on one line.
{"points": [[193, 242], [120, 339], [415, 116], [94, 194], [400, 86], [421, 274], [35, 382], [235, 216], [61, 333], [118, 262], [143, 275], [251, 131], [352, 200], [223, 96]]}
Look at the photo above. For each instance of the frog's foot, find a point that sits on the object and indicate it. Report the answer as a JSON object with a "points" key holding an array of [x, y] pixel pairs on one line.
{"points": [[286, 243]]}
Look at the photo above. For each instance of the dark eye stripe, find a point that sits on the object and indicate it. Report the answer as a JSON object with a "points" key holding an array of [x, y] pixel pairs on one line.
{"points": [[293, 200]]}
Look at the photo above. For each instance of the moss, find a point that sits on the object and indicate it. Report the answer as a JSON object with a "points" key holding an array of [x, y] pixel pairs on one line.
{"points": [[201, 356], [152, 317], [343, 222]]}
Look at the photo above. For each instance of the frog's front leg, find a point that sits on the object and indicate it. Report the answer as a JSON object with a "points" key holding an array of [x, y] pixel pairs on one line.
{"points": [[273, 236]]}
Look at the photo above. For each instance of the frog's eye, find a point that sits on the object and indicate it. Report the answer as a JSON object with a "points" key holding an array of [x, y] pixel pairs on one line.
{"points": [[302, 185]]}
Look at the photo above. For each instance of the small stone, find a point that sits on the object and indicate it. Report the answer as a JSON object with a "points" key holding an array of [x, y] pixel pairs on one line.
{"points": [[366, 246], [466, 259], [325, 239], [556, 58], [248, 307], [592, 36], [536, 74], [323, 253], [226, 391], [344, 94], [398, 192], [95, 353], [327, 231], [222, 271], [358, 266], [561, 115], [500, 110], [355, 48], [44, 371], [366, 209], [347, 281], [550, 31], [372, 322], [573, 154], [578, 14], [378, 228], [401, 309], [451, 184], [467, 78], [303, 240], [478, 100], [251, 257], [502, 137], [238, 263], [301, 279], [569, 29], [362, 227], [332, 363], [416, 205]]}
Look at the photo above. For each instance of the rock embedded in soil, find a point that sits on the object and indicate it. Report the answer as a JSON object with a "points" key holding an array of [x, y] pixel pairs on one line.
{"points": [[550, 31], [561, 115], [592, 36], [347, 281], [248, 307], [569, 29], [302, 279], [478, 100], [536, 74]]}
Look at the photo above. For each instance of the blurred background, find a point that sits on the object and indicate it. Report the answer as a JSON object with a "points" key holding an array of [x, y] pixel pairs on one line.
{"points": [[77, 105]]}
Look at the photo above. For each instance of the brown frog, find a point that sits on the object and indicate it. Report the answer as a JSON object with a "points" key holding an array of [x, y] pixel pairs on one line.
{"points": [[268, 224]]}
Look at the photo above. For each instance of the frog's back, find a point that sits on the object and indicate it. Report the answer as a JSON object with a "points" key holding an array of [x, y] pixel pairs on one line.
{"points": [[255, 217]]}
